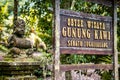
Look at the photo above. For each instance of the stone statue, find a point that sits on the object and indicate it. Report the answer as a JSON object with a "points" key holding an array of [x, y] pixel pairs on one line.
{"points": [[18, 43], [19, 28]]}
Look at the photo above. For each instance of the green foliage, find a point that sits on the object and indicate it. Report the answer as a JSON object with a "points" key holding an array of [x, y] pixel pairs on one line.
{"points": [[2, 77], [5, 21], [106, 75], [118, 30], [3, 48], [39, 17], [76, 59]]}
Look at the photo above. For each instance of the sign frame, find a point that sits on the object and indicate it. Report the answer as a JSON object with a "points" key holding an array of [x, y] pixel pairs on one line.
{"points": [[84, 17], [57, 68]]}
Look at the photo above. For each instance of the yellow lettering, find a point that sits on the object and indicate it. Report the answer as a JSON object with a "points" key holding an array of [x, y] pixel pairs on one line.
{"points": [[73, 32], [96, 34], [88, 33], [72, 22], [68, 21], [68, 43], [103, 26], [74, 43], [69, 32], [75, 22], [100, 24], [95, 25], [64, 31], [78, 32], [105, 34], [80, 43], [106, 45], [78, 23], [88, 24], [96, 44], [83, 33], [82, 23], [108, 35], [100, 35]]}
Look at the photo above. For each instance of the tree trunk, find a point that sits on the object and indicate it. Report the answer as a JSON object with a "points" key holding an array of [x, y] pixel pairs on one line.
{"points": [[15, 10], [72, 5]]}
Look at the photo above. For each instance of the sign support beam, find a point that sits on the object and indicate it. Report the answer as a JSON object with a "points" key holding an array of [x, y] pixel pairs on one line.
{"points": [[56, 63], [115, 57]]}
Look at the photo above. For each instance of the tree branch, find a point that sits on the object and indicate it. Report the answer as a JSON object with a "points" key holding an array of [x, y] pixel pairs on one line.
{"points": [[72, 5]]}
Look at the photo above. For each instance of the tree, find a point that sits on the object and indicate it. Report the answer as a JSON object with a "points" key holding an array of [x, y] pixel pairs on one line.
{"points": [[39, 17]]}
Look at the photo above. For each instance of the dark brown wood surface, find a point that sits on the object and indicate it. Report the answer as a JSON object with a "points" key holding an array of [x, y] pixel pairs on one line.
{"points": [[65, 49], [86, 66], [85, 51]]}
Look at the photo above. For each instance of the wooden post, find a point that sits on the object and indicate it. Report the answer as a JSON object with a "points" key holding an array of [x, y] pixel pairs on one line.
{"points": [[56, 65], [115, 40]]}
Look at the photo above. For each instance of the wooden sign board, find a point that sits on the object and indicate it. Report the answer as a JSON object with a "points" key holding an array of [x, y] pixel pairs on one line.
{"points": [[83, 33]]}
